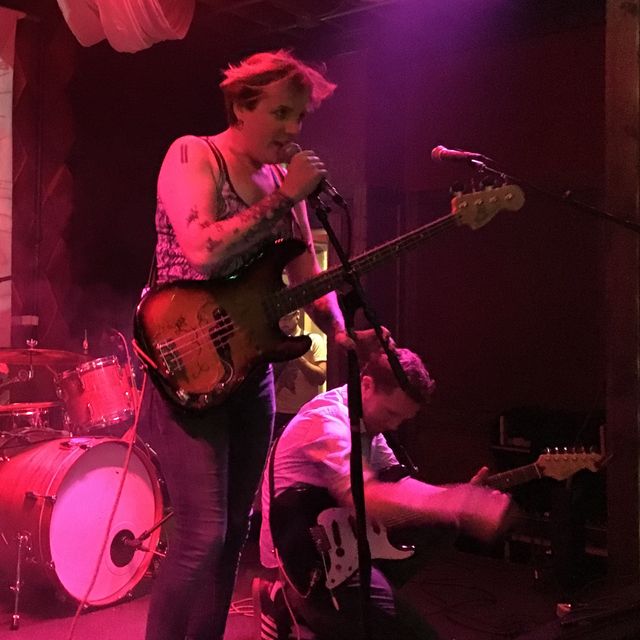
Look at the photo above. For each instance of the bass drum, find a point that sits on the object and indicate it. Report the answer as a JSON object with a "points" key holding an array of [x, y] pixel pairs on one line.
{"points": [[61, 494]]}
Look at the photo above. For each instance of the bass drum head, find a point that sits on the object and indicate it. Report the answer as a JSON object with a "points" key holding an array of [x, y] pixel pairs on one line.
{"points": [[83, 505]]}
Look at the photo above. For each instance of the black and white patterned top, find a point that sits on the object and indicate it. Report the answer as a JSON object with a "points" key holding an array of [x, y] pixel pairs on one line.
{"points": [[173, 265]]}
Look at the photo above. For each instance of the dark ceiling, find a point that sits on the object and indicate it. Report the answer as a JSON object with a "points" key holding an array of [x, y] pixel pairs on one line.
{"points": [[256, 21], [240, 26], [296, 17]]}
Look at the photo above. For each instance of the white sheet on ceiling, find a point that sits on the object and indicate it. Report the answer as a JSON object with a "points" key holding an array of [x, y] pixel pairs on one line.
{"points": [[128, 25]]}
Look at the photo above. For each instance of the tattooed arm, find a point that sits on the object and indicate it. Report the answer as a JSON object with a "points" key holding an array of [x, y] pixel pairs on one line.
{"points": [[187, 189]]}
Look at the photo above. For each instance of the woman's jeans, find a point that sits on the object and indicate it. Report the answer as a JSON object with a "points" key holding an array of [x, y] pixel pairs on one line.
{"points": [[211, 464]]}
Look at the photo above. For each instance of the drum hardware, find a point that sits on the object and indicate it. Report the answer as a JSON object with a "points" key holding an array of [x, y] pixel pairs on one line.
{"points": [[23, 540], [12, 443], [19, 417], [79, 443], [31, 495]]}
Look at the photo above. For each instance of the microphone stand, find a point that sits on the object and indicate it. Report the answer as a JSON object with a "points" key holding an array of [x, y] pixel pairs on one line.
{"points": [[350, 303], [566, 197]]}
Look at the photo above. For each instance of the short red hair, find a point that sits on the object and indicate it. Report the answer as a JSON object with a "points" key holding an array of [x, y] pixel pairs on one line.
{"points": [[244, 83]]}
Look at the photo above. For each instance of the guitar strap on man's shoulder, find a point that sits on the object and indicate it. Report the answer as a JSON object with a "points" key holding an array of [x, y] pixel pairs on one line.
{"points": [[402, 455], [271, 472]]}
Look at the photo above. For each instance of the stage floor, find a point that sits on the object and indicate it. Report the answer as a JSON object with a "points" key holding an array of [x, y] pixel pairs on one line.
{"points": [[465, 596]]}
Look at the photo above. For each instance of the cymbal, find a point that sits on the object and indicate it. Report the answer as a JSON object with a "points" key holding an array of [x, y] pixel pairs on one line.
{"points": [[46, 357], [25, 407]]}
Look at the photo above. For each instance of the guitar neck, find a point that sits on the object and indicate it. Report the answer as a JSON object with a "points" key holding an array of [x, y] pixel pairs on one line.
{"points": [[514, 477], [293, 298]]}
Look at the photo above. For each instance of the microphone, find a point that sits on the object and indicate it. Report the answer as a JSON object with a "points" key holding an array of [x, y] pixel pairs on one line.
{"points": [[288, 151], [442, 154]]}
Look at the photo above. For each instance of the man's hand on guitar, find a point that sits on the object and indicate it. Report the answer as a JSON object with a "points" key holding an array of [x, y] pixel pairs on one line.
{"points": [[478, 511], [480, 477]]}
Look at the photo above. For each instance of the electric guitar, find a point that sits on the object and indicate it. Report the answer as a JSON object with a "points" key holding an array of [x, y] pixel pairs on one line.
{"points": [[316, 539], [200, 340]]}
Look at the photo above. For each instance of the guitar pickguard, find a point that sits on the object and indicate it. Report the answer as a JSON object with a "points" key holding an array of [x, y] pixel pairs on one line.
{"points": [[342, 553], [314, 537]]}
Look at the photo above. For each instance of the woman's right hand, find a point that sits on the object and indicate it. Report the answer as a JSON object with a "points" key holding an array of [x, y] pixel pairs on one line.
{"points": [[304, 174]]}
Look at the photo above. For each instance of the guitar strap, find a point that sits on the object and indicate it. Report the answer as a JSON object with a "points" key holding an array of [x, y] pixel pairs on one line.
{"points": [[408, 465], [272, 483], [153, 272], [276, 172], [223, 172]]}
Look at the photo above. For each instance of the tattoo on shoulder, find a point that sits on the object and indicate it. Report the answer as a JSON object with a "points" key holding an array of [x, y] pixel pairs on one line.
{"points": [[193, 215], [184, 153]]}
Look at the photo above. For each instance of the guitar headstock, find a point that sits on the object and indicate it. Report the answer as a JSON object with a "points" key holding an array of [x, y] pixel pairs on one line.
{"points": [[477, 208], [561, 465]]}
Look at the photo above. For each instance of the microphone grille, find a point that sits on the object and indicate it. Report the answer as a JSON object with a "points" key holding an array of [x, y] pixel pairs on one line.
{"points": [[436, 153], [288, 151]]}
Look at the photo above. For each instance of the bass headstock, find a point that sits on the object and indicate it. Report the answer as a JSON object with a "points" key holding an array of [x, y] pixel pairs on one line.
{"points": [[477, 208]]}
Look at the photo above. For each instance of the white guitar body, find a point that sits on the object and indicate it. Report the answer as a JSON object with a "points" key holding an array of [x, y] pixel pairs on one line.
{"points": [[342, 547]]}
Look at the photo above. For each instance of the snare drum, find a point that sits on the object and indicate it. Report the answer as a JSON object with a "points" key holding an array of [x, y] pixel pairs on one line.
{"points": [[97, 394], [60, 494], [32, 415]]}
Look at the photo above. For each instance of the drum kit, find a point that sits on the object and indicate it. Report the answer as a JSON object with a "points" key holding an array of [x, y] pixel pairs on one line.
{"points": [[61, 468]]}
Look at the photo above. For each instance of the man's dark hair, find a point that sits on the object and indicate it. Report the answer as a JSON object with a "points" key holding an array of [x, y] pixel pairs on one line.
{"points": [[419, 384]]}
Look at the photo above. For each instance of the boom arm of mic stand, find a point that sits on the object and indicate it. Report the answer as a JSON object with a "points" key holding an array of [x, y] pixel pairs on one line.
{"points": [[566, 198]]}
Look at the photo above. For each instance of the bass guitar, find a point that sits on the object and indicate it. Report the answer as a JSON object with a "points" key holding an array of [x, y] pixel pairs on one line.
{"points": [[317, 539], [200, 340]]}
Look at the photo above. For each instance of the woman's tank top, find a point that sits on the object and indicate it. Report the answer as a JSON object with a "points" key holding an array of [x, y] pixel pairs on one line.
{"points": [[171, 262]]}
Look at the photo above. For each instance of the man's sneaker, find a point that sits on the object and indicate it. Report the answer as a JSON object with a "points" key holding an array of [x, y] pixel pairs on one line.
{"points": [[269, 609]]}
